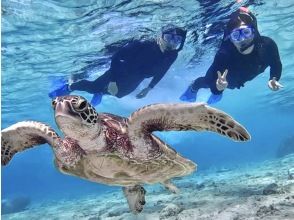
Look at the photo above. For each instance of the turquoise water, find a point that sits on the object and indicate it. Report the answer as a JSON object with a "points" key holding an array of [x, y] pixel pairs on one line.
{"points": [[42, 40]]}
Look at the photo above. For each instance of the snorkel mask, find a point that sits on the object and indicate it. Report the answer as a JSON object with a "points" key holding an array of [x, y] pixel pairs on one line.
{"points": [[242, 37], [174, 37], [173, 40], [243, 33]]}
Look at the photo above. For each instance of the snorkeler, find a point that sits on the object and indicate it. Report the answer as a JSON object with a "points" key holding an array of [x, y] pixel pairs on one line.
{"points": [[131, 64], [242, 56]]}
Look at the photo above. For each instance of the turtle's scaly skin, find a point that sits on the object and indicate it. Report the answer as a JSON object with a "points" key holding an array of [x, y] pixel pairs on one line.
{"points": [[113, 150], [115, 131], [18, 137], [114, 166], [111, 169]]}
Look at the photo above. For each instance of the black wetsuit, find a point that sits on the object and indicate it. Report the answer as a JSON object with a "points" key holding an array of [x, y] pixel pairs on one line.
{"points": [[241, 68], [129, 67]]}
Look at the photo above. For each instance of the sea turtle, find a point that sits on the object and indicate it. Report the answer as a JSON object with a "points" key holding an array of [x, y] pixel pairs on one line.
{"points": [[114, 150]]}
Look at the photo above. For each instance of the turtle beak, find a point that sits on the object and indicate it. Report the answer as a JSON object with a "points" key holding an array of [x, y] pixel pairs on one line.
{"points": [[60, 110], [63, 108]]}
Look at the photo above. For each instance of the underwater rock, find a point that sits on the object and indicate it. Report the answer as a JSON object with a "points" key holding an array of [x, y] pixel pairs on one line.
{"points": [[239, 198], [211, 184], [270, 189], [15, 205], [291, 174], [289, 197], [289, 188], [269, 174], [159, 202], [171, 210], [266, 210], [286, 147], [200, 186], [187, 185], [223, 170]]}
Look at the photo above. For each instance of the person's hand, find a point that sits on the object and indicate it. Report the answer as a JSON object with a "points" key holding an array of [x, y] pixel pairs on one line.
{"points": [[143, 93], [221, 82], [274, 85], [112, 88]]}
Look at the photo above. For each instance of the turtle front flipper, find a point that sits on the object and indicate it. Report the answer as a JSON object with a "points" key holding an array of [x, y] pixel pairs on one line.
{"points": [[24, 135], [179, 117], [136, 197]]}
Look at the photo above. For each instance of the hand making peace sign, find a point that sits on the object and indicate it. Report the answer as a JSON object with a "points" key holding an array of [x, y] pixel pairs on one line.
{"points": [[221, 82]]}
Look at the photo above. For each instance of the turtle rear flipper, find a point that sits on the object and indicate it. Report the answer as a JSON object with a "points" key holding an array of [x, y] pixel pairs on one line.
{"points": [[24, 135], [179, 117], [136, 197], [171, 187]]}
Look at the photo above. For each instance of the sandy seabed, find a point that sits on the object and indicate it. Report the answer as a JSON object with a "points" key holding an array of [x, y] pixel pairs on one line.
{"points": [[251, 192]]}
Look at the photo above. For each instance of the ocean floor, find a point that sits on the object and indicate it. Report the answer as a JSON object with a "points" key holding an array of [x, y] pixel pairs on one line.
{"points": [[255, 191]]}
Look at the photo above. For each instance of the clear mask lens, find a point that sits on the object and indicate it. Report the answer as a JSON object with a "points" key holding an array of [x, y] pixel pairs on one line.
{"points": [[241, 34], [247, 32], [173, 40]]}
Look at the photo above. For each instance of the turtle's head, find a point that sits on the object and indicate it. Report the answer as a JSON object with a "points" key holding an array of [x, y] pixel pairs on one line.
{"points": [[75, 117]]}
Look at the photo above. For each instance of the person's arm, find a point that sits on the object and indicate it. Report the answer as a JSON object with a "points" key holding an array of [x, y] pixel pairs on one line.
{"points": [[157, 78], [153, 82], [161, 71], [275, 64], [219, 65], [275, 61]]}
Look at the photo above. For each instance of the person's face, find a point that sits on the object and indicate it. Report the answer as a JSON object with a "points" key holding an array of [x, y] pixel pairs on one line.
{"points": [[242, 38], [172, 40]]}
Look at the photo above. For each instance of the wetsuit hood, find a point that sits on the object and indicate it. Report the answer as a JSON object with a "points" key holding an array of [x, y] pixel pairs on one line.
{"points": [[236, 18], [170, 28]]}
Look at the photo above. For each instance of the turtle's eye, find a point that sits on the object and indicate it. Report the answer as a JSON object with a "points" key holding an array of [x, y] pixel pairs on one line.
{"points": [[53, 103], [81, 105]]}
